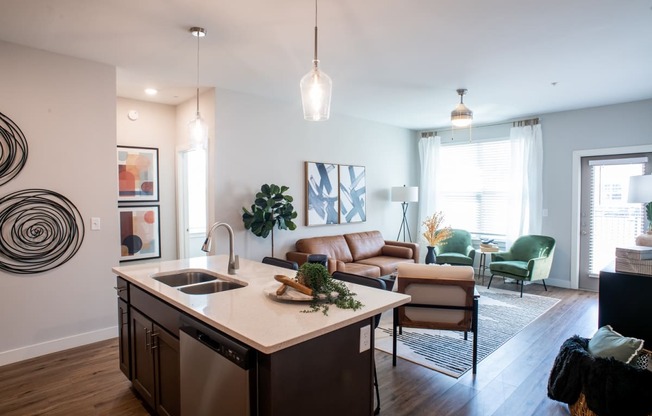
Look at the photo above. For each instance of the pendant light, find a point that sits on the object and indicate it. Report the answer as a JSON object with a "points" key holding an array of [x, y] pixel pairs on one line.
{"points": [[461, 116], [316, 89], [197, 126]]}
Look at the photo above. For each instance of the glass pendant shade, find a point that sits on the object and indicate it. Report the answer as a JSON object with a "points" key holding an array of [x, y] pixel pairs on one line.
{"points": [[316, 89], [198, 132]]}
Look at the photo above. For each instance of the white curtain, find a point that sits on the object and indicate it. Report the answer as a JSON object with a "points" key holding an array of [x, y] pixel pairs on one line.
{"points": [[525, 215], [429, 151]]}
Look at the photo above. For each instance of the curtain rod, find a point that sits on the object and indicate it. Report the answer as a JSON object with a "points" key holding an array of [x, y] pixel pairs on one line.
{"points": [[502, 123]]}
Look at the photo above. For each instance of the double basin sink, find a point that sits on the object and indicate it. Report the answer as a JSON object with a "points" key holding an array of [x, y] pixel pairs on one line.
{"points": [[195, 282]]}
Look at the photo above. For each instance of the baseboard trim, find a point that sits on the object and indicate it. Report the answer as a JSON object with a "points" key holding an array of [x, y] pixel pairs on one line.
{"points": [[56, 345], [566, 284]]}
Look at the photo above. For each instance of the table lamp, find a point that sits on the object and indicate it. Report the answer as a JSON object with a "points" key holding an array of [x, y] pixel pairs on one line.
{"points": [[405, 195], [640, 191]]}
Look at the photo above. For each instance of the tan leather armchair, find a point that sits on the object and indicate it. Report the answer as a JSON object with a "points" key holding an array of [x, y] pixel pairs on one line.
{"points": [[443, 297]]}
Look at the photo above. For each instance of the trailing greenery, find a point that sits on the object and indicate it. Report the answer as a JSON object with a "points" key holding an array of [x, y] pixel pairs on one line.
{"points": [[326, 290], [270, 208]]}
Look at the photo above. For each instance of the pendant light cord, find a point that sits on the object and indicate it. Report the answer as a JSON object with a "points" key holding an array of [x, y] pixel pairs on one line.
{"points": [[315, 60]]}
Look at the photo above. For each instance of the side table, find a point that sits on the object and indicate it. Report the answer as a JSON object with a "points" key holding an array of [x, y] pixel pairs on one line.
{"points": [[482, 265]]}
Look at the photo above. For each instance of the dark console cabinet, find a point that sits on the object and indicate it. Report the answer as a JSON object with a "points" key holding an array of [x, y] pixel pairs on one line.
{"points": [[625, 303]]}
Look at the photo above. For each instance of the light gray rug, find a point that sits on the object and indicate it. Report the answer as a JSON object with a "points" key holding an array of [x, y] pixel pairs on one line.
{"points": [[502, 314]]}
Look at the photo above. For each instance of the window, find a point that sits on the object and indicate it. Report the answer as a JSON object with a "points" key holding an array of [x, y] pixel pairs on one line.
{"points": [[474, 186]]}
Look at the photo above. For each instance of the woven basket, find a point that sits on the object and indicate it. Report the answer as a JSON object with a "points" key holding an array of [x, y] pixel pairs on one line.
{"points": [[579, 408]]}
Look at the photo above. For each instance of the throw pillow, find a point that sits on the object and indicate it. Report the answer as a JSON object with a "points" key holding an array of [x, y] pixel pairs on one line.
{"points": [[608, 343]]}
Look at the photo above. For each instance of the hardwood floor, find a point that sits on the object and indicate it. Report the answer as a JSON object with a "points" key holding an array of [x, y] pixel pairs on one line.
{"points": [[511, 381]]}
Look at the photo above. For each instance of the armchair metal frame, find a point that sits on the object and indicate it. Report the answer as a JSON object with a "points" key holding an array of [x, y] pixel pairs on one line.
{"points": [[468, 323]]}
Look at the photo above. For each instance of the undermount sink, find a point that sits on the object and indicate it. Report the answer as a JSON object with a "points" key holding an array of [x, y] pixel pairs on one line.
{"points": [[210, 287], [185, 278]]}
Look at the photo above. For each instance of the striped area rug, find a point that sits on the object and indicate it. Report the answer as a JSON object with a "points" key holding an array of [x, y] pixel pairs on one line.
{"points": [[502, 314]]}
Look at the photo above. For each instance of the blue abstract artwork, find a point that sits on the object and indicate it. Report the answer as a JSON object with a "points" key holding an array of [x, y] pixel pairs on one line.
{"points": [[353, 194], [321, 193]]}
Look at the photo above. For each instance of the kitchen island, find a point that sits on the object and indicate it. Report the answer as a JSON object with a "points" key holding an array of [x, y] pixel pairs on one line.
{"points": [[300, 363]]}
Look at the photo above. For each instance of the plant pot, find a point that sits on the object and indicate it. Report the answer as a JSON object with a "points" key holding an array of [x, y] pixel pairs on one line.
{"points": [[430, 255]]}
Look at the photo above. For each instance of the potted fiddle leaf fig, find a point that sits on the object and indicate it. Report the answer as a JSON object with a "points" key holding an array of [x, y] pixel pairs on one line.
{"points": [[271, 208]]}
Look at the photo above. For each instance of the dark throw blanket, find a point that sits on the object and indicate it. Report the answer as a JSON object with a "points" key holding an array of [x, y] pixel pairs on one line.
{"points": [[611, 387]]}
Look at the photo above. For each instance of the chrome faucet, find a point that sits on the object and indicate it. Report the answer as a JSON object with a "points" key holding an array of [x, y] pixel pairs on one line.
{"points": [[233, 265]]}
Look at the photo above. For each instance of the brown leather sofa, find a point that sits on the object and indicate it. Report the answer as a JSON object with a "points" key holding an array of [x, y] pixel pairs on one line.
{"points": [[365, 253]]}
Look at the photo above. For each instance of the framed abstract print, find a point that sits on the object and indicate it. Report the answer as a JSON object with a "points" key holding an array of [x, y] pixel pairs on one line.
{"points": [[353, 194], [321, 193], [140, 233], [137, 174]]}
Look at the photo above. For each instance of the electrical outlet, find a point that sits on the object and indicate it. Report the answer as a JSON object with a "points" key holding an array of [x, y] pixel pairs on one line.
{"points": [[365, 338]]}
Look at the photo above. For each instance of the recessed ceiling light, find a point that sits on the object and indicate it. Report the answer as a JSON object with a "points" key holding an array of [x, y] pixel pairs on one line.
{"points": [[151, 91]]}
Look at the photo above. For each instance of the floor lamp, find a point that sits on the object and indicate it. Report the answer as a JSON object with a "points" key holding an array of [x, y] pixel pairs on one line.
{"points": [[405, 195]]}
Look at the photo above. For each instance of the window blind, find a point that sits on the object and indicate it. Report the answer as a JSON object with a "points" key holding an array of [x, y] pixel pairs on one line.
{"points": [[474, 186]]}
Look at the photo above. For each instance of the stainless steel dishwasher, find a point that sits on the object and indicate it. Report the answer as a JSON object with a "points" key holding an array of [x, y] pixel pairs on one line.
{"points": [[217, 373]]}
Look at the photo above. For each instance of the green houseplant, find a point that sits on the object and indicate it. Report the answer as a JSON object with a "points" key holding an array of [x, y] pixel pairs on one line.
{"points": [[270, 208], [326, 290]]}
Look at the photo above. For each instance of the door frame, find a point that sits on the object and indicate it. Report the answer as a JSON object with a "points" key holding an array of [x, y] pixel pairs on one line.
{"points": [[576, 187]]}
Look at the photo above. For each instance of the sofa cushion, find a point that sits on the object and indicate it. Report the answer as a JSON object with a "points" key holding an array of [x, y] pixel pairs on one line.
{"points": [[397, 251], [455, 259], [387, 265], [515, 268], [333, 246], [359, 268], [365, 244]]}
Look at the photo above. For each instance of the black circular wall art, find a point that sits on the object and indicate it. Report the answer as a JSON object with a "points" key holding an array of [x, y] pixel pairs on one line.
{"points": [[13, 149], [39, 230]]}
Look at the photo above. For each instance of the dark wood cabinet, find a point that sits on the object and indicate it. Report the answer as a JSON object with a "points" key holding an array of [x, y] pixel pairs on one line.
{"points": [[122, 289], [143, 359], [149, 348], [123, 338], [166, 370], [624, 303]]}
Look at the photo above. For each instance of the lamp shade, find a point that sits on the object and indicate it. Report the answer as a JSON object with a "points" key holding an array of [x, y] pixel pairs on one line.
{"points": [[405, 193], [640, 189]]}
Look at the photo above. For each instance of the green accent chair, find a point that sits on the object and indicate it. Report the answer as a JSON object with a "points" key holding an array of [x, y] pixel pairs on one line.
{"points": [[456, 250], [529, 258]]}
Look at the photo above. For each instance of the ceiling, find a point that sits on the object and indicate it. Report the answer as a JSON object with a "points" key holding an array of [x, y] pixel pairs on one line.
{"points": [[397, 62]]}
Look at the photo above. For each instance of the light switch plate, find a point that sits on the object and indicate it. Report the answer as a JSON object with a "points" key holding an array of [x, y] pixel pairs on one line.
{"points": [[365, 338], [96, 223]]}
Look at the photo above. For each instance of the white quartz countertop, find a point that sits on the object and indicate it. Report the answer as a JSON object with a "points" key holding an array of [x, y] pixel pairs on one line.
{"points": [[247, 313]]}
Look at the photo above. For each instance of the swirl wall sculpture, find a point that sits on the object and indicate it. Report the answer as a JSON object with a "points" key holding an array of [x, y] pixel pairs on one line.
{"points": [[13, 149], [40, 230]]}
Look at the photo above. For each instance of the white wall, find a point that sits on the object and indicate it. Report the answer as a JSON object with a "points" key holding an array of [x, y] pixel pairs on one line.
{"points": [[155, 127], [66, 109], [259, 141]]}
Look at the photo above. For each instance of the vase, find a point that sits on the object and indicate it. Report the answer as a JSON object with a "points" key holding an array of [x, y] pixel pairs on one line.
{"points": [[430, 255]]}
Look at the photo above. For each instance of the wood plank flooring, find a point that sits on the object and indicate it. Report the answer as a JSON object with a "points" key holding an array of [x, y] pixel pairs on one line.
{"points": [[511, 381]]}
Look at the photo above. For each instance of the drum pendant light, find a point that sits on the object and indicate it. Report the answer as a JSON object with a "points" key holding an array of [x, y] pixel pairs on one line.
{"points": [[461, 116]]}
